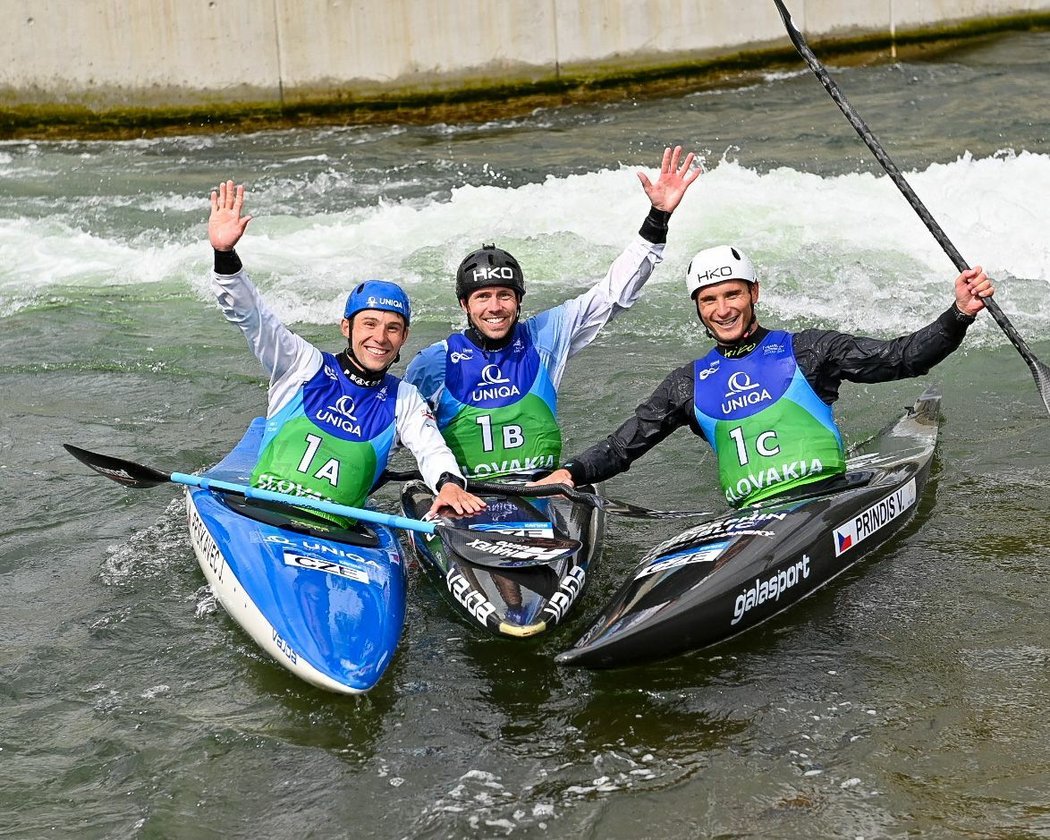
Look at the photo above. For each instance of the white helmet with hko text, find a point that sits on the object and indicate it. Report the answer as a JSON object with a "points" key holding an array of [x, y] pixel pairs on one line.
{"points": [[716, 265]]}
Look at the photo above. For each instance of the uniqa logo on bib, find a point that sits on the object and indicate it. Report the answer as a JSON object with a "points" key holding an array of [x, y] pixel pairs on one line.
{"points": [[743, 393], [493, 385], [341, 415]]}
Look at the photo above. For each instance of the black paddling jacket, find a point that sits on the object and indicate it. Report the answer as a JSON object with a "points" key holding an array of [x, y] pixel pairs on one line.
{"points": [[825, 357]]}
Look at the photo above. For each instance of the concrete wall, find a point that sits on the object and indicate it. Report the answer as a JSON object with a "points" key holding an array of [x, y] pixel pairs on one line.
{"points": [[168, 53]]}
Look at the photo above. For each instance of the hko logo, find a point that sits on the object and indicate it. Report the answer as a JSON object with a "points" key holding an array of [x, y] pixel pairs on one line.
{"points": [[715, 273], [494, 273], [456, 356]]}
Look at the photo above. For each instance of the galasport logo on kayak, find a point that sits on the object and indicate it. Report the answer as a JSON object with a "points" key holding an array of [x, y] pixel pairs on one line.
{"points": [[743, 393], [867, 522], [770, 588], [493, 385]]}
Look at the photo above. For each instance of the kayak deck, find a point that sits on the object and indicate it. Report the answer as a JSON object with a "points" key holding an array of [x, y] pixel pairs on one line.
{"points": [[325, 602], [728, 575], [517, 602]]}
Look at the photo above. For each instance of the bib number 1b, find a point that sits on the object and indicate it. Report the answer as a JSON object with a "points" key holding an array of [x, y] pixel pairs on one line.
{"points": [[511, 434]]}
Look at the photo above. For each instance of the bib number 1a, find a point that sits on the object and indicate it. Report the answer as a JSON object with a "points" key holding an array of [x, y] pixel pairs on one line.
{"points": [[511, 434], [329, 471]]}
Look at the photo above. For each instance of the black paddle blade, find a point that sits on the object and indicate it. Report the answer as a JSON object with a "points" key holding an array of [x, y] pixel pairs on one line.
{"points": [[1042, 379], [505, 551], [123, 472]]}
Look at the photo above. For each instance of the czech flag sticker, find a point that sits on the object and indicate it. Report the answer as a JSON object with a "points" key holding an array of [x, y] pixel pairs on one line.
{"points": [[844, 539]]}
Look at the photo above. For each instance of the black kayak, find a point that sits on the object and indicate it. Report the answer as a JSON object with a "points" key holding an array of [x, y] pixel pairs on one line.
{"points": [[520, 601], [727, 575]]}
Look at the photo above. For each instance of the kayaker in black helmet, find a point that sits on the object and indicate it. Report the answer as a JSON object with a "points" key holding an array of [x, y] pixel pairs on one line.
{"points": [[494, 385], [761, 398]]}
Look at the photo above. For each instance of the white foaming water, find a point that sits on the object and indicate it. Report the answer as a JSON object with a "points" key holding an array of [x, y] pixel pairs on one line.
{"points": [[832, 249]]}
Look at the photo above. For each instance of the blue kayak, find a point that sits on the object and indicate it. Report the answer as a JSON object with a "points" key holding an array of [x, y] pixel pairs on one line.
{"points": [[328, 603]]}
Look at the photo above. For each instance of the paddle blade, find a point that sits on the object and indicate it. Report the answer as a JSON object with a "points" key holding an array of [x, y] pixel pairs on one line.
{"points": [[1042, 379], [505, 551], [123, 472]]}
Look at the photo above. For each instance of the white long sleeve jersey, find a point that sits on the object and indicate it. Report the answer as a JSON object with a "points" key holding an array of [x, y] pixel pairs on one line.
{"points": [[291, 361]]}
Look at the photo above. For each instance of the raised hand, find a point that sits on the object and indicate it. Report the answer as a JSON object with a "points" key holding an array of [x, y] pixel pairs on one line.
{"points": [[225, 225], [675, 177]]}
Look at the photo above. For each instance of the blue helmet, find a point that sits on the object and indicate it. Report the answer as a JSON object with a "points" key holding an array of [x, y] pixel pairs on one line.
{"points": [[378, 294]]}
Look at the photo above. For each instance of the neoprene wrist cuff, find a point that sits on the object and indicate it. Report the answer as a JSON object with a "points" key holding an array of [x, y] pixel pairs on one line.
{"points": [[227, 262], [576, 471], [446, 477], [960, 316], [654, 228]]}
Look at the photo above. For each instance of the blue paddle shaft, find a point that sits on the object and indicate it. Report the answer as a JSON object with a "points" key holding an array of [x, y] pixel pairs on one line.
{"points": [[362, 514]]}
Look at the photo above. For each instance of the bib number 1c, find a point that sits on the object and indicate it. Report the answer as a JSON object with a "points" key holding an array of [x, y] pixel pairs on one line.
{"points": [[766, 445]]}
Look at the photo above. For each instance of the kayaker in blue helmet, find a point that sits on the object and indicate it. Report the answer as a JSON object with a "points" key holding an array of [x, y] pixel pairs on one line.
{"points": [[332, 420], [762, 398], [494, 385]]}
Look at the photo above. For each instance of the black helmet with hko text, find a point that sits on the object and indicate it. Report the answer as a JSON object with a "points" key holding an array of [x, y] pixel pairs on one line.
{"points": [[716, 265], [487, 267]]}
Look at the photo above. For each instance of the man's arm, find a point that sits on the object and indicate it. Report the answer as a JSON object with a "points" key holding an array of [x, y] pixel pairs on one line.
{"points": [[565, 330], [288, 359], [418, 432], [668, 408], [623, 283], [827, 358]]}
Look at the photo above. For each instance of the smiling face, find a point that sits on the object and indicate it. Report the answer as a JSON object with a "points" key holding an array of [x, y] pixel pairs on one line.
{"points": [[727, 309], [376, 337], [492, 311]]}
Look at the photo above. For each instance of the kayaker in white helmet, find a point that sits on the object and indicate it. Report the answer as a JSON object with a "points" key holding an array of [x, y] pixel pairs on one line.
{"points": [[762, 398]]}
